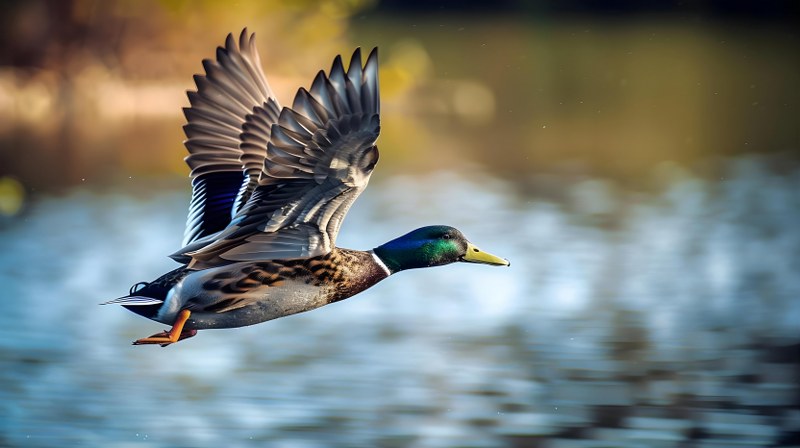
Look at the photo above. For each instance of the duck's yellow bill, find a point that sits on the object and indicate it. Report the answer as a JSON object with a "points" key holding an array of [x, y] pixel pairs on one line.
{"points": [[475, 255]]}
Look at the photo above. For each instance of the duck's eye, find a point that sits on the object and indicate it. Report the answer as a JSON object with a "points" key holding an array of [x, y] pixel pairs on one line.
{"points": [[447, 236]]}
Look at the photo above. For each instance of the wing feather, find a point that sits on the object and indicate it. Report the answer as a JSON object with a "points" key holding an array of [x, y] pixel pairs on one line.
{"points": [[319, 156], [225, 170]]}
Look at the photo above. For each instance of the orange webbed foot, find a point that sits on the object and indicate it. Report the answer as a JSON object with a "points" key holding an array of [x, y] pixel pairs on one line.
{"points": [[175, 334]]}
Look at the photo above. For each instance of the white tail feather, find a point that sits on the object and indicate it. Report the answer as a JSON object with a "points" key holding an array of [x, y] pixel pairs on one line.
{"points": [[134, 301]]}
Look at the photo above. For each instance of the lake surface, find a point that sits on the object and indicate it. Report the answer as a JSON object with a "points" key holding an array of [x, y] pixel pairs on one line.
{"points": [[627, 319]]}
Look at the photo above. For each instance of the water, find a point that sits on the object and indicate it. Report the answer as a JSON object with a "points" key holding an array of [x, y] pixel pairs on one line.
{"points": [[626, 319]]}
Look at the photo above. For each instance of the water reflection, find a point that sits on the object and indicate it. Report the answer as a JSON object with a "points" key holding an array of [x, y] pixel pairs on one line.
{"points": [[673, 323]]}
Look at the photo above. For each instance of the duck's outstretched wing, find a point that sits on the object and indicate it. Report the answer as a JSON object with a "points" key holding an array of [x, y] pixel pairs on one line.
{"points": [[320, 155], [224, 173]]}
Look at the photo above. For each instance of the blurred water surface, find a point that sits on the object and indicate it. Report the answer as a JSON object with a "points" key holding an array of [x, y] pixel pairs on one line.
{"points": [[677, 322]]}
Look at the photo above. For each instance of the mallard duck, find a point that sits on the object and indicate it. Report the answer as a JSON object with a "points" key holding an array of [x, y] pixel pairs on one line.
{"points": [[270, 188]]}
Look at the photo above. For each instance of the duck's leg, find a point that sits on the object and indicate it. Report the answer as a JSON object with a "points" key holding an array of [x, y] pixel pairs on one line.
{"points": [[175, 334]]}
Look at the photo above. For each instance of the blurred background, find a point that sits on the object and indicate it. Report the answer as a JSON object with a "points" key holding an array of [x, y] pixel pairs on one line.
{"points": [[636, 161]]}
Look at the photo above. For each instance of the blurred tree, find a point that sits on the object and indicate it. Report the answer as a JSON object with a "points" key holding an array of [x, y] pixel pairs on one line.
{"points": [[50, 33]]}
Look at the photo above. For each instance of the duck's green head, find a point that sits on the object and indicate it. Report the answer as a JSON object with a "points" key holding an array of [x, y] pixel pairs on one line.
{"points": [[433, 246]]}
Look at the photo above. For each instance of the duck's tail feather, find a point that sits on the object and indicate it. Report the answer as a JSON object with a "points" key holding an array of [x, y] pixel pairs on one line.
{"points": [[134, 301]]}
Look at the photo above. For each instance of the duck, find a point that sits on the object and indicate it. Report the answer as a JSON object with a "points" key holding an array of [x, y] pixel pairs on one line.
{"points": [[271, 186]]}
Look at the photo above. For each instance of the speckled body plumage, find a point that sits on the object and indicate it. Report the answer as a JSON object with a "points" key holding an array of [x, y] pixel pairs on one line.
{"points": [[242, 294]]}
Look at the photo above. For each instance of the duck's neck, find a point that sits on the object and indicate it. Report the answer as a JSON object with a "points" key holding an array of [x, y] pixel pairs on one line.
{"points": [[381, 263], [398, 256], [388, 260]]}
